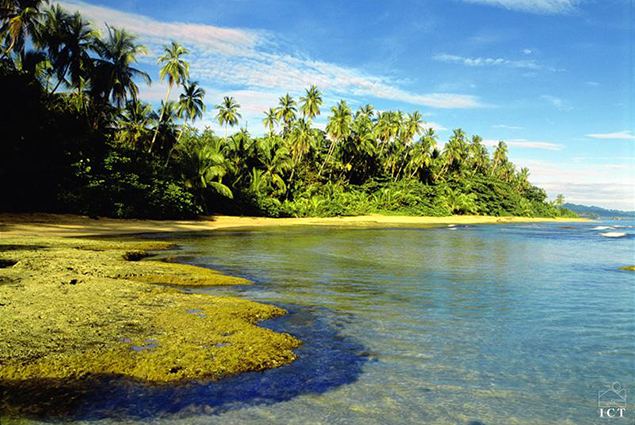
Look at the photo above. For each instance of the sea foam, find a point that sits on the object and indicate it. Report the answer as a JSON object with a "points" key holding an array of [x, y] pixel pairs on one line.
{"points": [[613, 234]]}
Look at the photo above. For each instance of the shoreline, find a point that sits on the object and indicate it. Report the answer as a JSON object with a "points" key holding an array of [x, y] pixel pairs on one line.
{"points": [[67, 225], [78, 300]]}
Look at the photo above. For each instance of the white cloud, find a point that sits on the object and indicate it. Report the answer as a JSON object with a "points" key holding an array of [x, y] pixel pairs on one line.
{"points": [[508, 127], [621, 135], [527, 51], [557, 102], [603, 185], [254, 61], [523, 143], [592, 84], [535, 6], [479, 62], [435, 126]]}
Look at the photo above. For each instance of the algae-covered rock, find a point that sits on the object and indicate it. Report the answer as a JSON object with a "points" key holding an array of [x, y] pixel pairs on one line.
{"points": [[73, 307]]}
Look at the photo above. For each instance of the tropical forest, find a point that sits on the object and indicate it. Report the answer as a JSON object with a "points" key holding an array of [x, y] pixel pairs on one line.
{"points": [[77, 138]]}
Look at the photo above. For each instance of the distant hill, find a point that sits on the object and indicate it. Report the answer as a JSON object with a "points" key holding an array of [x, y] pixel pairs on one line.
{"points": [[598, 212]]}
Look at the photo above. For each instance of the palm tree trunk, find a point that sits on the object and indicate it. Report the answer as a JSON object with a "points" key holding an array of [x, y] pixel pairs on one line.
{"points": [[328, 157], [154, 138], [178, 139]]}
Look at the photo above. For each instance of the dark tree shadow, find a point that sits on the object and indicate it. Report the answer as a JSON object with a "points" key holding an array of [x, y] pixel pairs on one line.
{"points": [[327, 360]]}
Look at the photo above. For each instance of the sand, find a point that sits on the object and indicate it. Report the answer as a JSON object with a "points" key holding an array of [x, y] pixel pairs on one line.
{"points": [[66, 225]]}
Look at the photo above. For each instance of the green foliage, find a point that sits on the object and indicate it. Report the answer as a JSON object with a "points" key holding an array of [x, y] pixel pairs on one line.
{"points": [[97, 149]]}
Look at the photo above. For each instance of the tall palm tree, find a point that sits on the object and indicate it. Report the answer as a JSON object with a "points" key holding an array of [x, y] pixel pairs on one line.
{"points": [[500, 155], [50, 35], [190, 106], [301, 139], [270, 120], [73, 57], [228, 114], [412, 127], [113, 76], [338, 127], [311, 103], [19, 19], [286, 111], [176, 69]]}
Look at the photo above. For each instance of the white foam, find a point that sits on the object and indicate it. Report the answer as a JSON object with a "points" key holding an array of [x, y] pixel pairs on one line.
{"points": [[451, 225], [613, 234], [601, 227]]}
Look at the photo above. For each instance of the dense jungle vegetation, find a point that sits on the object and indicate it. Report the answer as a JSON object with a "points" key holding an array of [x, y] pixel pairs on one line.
{"points": [[76, 138]]}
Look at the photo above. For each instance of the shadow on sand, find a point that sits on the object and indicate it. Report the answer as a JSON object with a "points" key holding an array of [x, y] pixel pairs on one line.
{"points": [[327, 360]]}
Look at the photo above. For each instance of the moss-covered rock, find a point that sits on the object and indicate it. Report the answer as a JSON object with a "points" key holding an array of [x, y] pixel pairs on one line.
{"points": [[75, 307]]}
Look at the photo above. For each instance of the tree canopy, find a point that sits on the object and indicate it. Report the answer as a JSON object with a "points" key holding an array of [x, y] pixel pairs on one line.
{"points": [[79, 139]]}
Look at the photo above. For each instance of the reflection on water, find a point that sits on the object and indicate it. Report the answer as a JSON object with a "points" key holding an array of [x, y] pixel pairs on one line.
{"points": [[474, 325]]}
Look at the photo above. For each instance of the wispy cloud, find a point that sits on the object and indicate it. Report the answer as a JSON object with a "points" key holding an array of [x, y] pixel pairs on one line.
{"points": [[255, 61], [534, 6], [480, 62], [523, 143], [435, 126], [557, 102], [508, 127], [604, 185], [620, 135]]}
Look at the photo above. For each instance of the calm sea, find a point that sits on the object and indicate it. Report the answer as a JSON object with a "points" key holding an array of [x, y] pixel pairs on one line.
{"points": [[505, 324]]}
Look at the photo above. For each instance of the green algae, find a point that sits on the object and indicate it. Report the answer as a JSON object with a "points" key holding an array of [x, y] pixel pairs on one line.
{"points": [[73, 308], [629, 268]]}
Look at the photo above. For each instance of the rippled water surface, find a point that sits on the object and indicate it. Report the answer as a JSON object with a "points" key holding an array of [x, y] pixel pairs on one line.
{"points": [[509, 324]]}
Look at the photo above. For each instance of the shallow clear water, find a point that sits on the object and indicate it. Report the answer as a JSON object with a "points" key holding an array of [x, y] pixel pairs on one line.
{"points": [[518, 324]]}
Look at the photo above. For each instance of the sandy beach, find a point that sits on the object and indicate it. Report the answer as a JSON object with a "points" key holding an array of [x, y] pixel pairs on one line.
{"points": [[66, 225]]}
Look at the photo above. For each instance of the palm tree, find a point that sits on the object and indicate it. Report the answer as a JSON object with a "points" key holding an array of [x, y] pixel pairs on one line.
{"points": [[228, 114], [204, 168], [338, 127], [500, 154], [113, 77], [270, 120], [301, 140], [413, 126], [73, 57], [286, 111], [134, 122], [190, 106], [19, 19], [311, 103], [176, 69], [276, 161]]}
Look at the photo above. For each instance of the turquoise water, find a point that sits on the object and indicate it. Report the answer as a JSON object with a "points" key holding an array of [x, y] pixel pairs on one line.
{"points": [[508, 324]]}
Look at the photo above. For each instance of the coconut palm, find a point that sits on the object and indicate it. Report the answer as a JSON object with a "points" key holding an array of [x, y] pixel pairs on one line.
{"points": [[228, 114], [134, 123], [338, 128], [311, 103], [190, 106], [204, 167], [301, 139], [113, 76], [176, 69], [73, 58], [500, 155], [286, 111], [18, 20], [270, 120], [412, 127]]}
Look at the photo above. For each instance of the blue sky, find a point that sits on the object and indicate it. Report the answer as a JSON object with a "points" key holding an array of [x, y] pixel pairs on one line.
{"points": [[553, 78]]}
